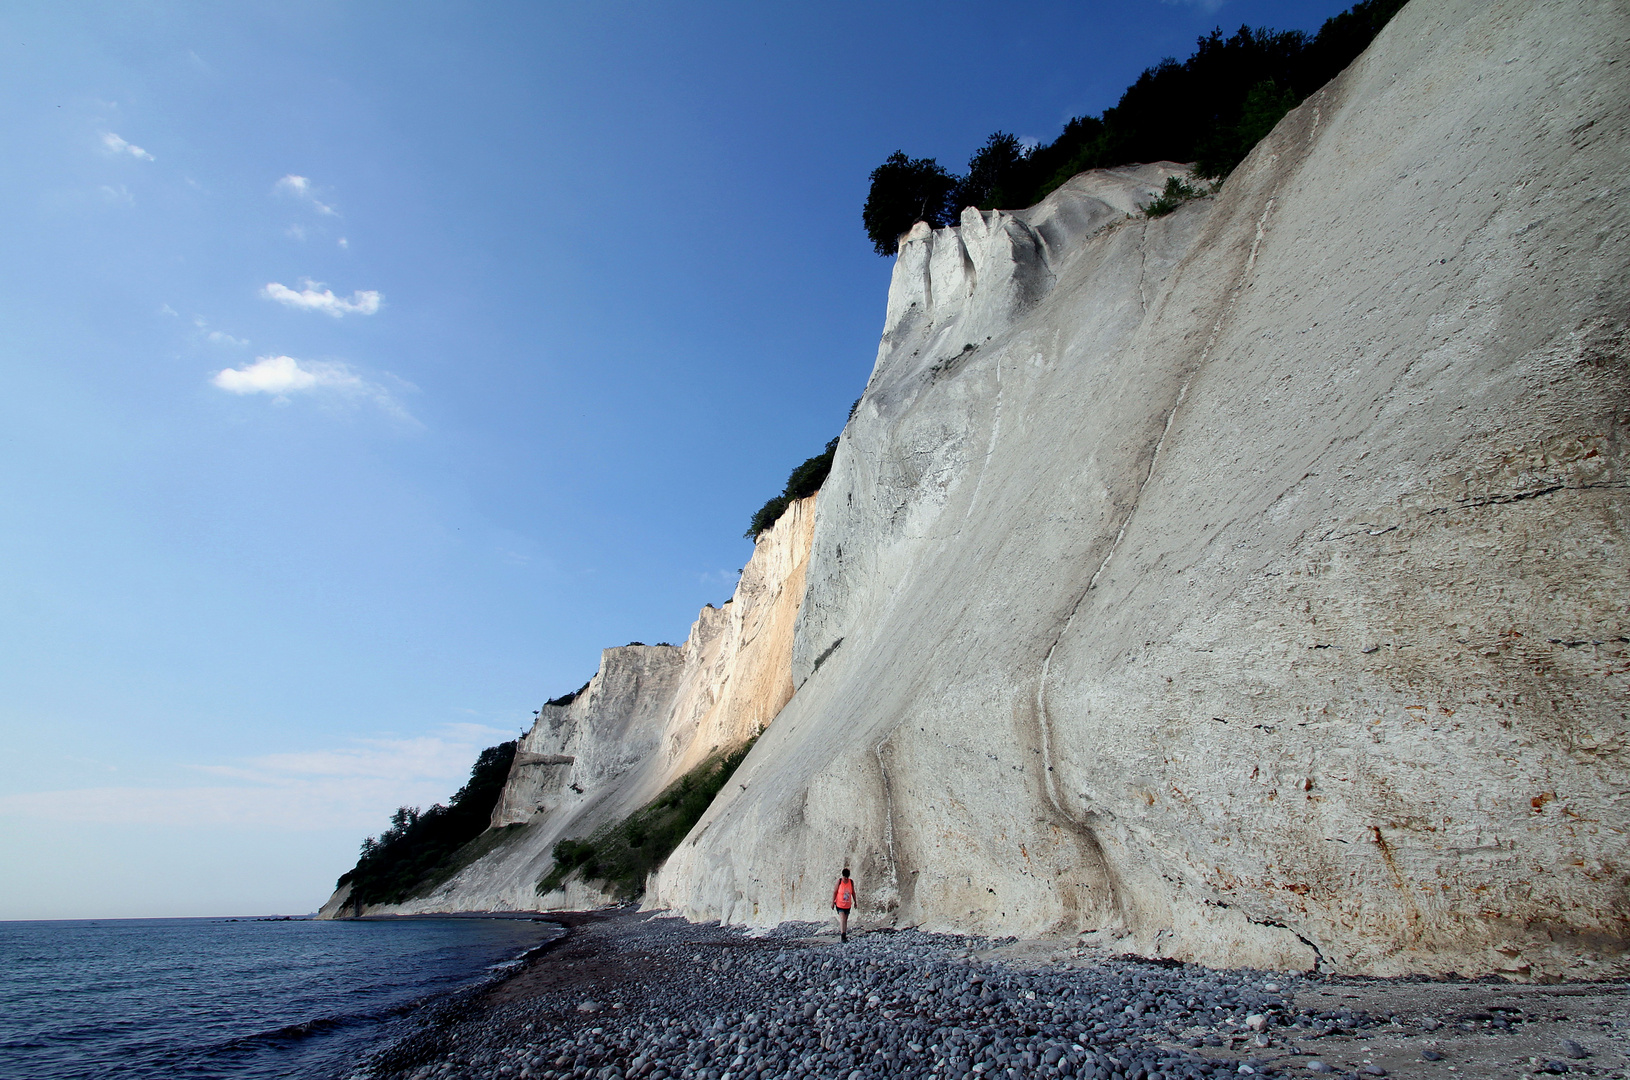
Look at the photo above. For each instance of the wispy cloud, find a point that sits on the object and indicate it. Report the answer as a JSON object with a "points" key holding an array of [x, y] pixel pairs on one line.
{"points": [[283, 376], [117, 194], [218, 337], [116, 145], [353, 786], [314, 297], [300, 188]]}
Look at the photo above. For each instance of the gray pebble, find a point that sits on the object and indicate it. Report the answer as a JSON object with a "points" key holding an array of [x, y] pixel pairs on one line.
{"points": [[1573, 1049]]}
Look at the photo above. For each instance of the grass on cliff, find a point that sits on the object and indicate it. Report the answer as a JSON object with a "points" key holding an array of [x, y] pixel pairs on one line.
{"points": [[1210, 109], [622, 855], [423, 848]]}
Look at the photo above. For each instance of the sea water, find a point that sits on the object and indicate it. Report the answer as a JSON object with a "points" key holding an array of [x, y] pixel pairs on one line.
{"points": [[140, 998]]}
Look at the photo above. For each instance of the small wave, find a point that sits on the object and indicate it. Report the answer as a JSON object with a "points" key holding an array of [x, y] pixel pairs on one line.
{"points": [[305, 1029]]}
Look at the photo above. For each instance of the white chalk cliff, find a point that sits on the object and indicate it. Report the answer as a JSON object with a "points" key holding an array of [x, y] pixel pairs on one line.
{"points": [[1249, 585], [650, 714]]}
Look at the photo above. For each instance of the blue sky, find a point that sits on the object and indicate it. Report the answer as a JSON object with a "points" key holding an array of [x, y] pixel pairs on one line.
{"points": [[369, 367]]}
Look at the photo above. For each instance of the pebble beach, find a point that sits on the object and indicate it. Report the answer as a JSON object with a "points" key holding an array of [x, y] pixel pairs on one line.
{"points": [[636, 995]]}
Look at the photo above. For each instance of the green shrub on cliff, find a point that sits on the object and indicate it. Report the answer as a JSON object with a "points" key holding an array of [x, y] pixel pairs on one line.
{"points": [[1210, 109], [805, 480], [420, 844], [622, 856], [1177, 192]]}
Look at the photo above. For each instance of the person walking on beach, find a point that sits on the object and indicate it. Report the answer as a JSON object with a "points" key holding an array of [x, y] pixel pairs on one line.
{"points": [[843, 899]]}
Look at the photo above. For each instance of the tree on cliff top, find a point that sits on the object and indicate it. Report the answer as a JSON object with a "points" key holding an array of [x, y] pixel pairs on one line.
{"points": [[905, 191], [805, 480], [1210, 109]]}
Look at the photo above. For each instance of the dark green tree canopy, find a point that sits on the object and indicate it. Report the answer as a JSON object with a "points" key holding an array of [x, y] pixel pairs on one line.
{"points": [[806, 479], [418, 843], [998, 175], [905, 191], [1210, 109]]}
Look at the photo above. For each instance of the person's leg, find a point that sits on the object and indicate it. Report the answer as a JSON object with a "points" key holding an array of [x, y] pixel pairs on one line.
{"points": [[843, 923]]}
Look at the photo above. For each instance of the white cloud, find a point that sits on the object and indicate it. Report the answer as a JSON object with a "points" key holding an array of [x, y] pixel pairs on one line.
{"points": [[120, 194], [300, 187], [281, 376], [344, 243], [166, 309], [362, 302], [296, 232], [116, 145], [353, 786]]}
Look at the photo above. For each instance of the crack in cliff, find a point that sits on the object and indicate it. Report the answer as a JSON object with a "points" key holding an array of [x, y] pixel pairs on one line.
{"points": [[1520, 496], [1044, 724], [888, 819], [1154, 461], [1320, 965], [1475, 504], [1171, 415]]}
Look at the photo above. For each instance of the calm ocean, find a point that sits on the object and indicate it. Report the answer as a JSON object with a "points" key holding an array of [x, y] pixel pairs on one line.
{"points": [[138, 998]]}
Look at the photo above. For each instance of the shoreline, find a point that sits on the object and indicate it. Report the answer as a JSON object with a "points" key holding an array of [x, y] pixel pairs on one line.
{"points": [[626, 994], [517, 916]]}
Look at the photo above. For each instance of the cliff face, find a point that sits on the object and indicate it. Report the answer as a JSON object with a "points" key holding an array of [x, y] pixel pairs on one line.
{"points": [[1250, 585], [651, 713]]}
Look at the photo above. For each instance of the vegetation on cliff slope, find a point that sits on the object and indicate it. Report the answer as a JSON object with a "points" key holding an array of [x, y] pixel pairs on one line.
{"points": [[623, 855], [805, 480], [422, 848], [1210, 109]]}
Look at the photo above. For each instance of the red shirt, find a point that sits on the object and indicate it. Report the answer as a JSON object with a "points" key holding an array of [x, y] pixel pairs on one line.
{"points": [[844, 895]]}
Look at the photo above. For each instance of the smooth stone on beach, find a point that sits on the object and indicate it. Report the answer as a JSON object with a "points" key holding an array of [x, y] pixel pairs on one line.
{"points": [[1573, 1049], [1431, 1055], [1314, 1065]]}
